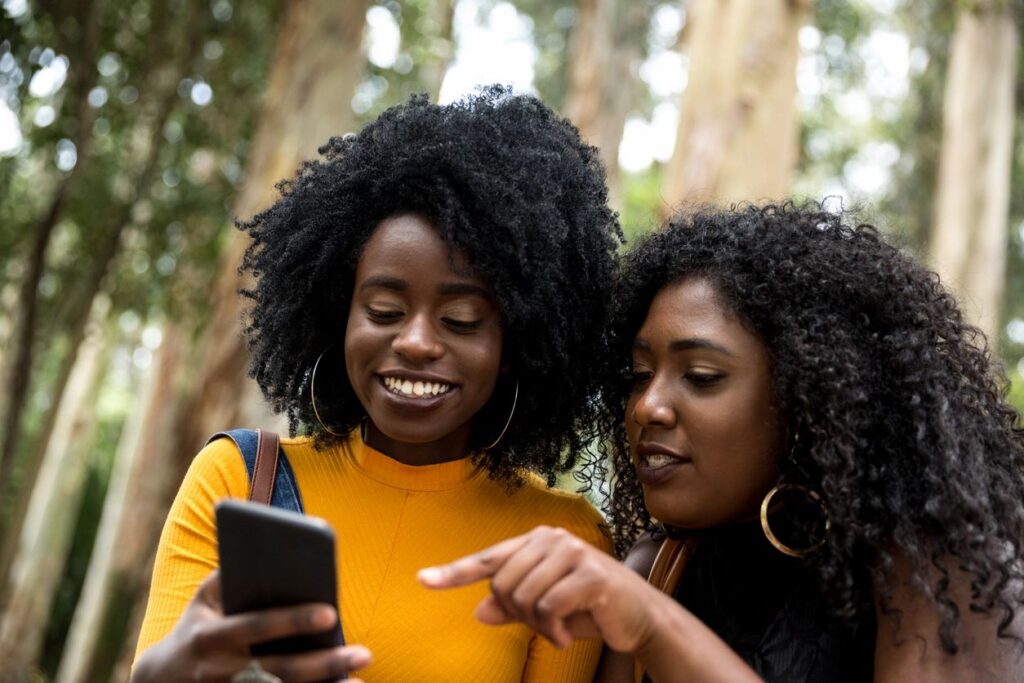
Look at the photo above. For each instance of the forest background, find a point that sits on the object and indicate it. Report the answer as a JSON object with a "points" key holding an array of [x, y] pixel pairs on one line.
{"points": [[132, 132]]}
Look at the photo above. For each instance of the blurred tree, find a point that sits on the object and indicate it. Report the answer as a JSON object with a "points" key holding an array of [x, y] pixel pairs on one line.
{"points": [[101, 619], [737, 134], [317, 64], [77, 36], [969, 238], [607, 44], [158, 100], [46, 533]]}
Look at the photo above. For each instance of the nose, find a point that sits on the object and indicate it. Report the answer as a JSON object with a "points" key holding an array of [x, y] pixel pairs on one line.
{"points": [[653, 409], [417, 341]]}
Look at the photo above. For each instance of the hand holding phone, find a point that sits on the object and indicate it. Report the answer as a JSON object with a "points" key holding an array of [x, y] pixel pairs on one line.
{"points": [[276, 558], [205, 644]]}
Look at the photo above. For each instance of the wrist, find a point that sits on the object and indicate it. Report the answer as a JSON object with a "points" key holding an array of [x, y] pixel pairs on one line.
{"points": [[656, 620]]}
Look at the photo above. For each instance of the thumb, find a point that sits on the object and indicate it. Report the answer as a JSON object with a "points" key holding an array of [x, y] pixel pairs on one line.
{"points": [[490, 612]]}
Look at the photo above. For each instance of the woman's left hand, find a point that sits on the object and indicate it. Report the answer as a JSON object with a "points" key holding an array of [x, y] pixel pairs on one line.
{"points": [[558, 585]]}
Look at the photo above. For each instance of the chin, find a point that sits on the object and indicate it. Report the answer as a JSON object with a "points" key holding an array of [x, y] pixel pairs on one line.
{"points": [[667, 510]]}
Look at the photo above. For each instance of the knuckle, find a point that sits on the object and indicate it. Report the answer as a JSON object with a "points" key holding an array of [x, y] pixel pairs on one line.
{"points": [[199, 638], [499, 587], [521, 601]]}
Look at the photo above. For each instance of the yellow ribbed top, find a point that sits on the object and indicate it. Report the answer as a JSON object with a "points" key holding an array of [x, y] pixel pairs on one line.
{"points": [[390, 519]]}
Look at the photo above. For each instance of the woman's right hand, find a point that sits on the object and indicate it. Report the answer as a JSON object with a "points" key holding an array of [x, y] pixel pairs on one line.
{"points": [[206, 645]]}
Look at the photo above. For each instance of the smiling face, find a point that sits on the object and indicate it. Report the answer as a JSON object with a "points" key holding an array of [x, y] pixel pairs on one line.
{"points": [[423, 343], [702, 423]]}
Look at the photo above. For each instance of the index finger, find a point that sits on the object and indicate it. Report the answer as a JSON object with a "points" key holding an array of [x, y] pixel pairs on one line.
{"points": [[471, 568]]}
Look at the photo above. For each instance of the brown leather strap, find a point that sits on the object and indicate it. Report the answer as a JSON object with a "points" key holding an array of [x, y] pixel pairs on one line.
{"points": [[669, 563], [665, 573], [265, 471]]}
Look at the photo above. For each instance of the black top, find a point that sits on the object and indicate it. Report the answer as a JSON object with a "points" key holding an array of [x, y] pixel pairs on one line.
{"points": [[766, 606]]}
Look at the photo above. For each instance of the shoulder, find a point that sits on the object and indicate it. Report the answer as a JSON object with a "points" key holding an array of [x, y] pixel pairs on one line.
{"points": [[640, 557], [220, 464], [571, 511]]}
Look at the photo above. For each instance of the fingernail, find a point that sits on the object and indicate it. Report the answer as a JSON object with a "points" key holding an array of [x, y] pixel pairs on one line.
{"points": [[430, 575], [323, 617], [358, 656]]}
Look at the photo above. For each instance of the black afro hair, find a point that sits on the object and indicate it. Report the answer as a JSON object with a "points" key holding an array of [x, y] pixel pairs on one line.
{"points": [[507, 183]]}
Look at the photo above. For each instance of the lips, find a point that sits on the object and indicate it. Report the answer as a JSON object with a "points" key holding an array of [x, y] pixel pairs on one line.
{"points": [[655, 462]]}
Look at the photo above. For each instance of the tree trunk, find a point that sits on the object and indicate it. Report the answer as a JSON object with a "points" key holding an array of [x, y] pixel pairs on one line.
{"points": [[46, 535], [969, 237], [442, 48], [737, 135], [100, 621], [318, 62], [590, 48]]}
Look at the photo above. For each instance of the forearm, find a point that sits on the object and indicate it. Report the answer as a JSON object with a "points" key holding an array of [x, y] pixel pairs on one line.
{"points": [[681, 648]]}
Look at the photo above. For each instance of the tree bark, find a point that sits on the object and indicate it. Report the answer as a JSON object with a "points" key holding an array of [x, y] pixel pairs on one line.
{"points": [[442, 48], [317, 64], [46, 535], [737, 134], [101, 617], [972, 199]]}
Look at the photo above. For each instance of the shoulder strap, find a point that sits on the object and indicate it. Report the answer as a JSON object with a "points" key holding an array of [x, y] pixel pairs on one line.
{"points": [[265, 471], [669, 563], [270, 474], [665, 574]]}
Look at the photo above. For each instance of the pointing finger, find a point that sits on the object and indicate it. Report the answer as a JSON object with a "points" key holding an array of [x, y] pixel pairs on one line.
{"points": [[471, 568]]}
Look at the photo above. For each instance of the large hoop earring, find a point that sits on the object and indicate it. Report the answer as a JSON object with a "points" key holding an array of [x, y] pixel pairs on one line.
{"points": [[515, 400], [773, 539], [312, 395]]}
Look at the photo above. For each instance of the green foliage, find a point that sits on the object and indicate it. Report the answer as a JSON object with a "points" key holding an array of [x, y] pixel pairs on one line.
{"points": [[641, 210]]}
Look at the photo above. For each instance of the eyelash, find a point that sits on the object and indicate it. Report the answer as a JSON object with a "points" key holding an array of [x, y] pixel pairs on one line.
{"points": [[385, 317], [382, 316], [461, 325], [700, 380], [703, 379]]}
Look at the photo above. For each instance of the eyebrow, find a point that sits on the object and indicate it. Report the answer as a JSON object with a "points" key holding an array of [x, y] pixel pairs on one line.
{"points": [[678, 345], [444, 289], [386, 282]]}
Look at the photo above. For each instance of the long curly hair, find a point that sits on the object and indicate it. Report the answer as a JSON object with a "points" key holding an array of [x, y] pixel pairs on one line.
{"points": [[507, 183], [890, 403]]}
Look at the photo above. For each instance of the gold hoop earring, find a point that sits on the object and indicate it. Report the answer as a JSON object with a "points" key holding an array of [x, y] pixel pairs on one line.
{"points": [[773, 539], [312, 395], [515, 400]]}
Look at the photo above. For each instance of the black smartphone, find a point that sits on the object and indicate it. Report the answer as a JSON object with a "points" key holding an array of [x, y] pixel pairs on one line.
{"points": [[276, 558]]}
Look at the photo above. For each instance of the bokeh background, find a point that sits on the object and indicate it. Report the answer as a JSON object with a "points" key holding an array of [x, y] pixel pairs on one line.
{"points": [[133, 131]]}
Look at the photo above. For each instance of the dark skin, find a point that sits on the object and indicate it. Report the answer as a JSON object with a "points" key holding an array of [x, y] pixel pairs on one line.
{"points": [[416, 316], [719, 442], [206, 645]]}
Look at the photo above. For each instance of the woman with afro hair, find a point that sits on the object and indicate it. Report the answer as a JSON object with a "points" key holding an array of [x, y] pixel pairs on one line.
{"points": [[428, 309], [813, 448]]}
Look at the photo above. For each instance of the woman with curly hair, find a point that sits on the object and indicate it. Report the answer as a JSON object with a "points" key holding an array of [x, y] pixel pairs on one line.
{"points": [[817, 441], [428, 309]]}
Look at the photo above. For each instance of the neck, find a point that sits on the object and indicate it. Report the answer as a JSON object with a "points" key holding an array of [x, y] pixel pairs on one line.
{"points": [[454, 446]]}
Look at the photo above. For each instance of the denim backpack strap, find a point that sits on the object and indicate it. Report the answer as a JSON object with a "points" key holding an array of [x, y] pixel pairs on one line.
{"points": [[286, 491]]}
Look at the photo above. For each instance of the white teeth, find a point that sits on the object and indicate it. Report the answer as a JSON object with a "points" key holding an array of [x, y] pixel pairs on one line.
{"points": [[656, 460], [419, 389]]}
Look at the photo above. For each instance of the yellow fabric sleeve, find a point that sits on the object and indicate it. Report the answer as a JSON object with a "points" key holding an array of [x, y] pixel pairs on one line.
{"points": [[187, 551]]}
